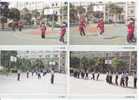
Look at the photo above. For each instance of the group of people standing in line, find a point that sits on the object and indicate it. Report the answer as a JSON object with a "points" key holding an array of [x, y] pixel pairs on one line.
{"points": [[39, 74], [85, 75], [101, 28], [121, 79]]}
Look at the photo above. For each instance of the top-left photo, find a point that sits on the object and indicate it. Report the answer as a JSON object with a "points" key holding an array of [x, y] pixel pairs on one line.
{"points": [[33, 22]]}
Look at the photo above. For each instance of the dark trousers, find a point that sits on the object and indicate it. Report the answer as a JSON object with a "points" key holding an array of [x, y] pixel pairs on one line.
{"points": [[122, 82], [97, 76], [18, 77], [20, 28], [126, 81], [62, 38], [82, 32], [43, 35], [135, 82], [52, 79], [116, 80]]}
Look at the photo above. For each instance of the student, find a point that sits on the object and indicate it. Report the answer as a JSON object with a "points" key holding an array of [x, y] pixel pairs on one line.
{"points": [[110, 78], [20, 25], [43, 29], [62, 32], [82, 26], [18, 75], [116, 78], [98, 74], [122, 81], [126, 79], [14, 25], [131, 27], [39, 74], [100, 26], [82, 75], [86, 75], [93, 75], [52, 77], [27, 74], [107, 77], [135, 80], [33, 71]]}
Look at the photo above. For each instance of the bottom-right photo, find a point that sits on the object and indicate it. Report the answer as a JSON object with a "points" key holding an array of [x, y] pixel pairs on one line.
{"points": [[106, 73]]}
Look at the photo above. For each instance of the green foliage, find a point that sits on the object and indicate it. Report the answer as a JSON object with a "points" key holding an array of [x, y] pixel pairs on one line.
{"points": [[75, 62], [14, 14], [5, 57], [35, 13], [26, 15], [97, 64], [118, 64]]}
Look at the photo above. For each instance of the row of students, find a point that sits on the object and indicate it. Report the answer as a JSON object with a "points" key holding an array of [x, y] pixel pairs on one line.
{"points": [[38, 74], [123, 80], [85, 75]]}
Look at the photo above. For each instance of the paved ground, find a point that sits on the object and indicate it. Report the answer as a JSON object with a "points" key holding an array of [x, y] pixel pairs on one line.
{"points": [[33, 86], [114, 34], [100, 87], [30, 37]]}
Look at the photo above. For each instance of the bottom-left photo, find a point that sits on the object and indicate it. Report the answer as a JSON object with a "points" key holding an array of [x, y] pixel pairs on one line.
{"points": [[33, 73]]}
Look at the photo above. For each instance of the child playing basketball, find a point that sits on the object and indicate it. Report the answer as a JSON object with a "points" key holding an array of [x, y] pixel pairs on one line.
{"points": [[62, 32], [43, 29], [100, 26], [131, 27], [82, 26]]}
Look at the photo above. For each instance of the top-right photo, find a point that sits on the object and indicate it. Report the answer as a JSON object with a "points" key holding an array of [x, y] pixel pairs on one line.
{"points": [[103, 23]]}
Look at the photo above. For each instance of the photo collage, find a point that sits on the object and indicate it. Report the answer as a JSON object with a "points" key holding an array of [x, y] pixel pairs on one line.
{"points": [[68, 49]]}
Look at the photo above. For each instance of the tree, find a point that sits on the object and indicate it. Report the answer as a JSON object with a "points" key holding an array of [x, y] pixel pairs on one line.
{"points": [[64, 12], [92, 64], [100, 64], [81, 10], [35, 13], [84, 63], [119, 65], [98, 14], [115, 11], [26, 15], [23, 64], [90, 12], [39, 64], [75, 62], [14, 14], [5, 59], [73, 14], [4, 12]]}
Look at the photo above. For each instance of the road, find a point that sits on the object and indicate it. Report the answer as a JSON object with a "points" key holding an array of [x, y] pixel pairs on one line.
{"points": [[33, 86], [100, 87]]}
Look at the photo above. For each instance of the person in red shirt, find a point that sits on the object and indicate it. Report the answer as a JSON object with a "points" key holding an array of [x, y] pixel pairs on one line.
{"points": [[62, 32], [131, 27], [82, 26], [20, 25], [43, 29], [100, 26]]}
